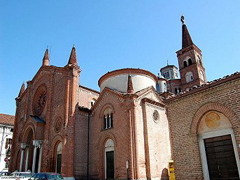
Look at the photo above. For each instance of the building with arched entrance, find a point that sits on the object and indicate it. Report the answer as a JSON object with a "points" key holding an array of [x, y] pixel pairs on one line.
{"points": [[129, 129]]}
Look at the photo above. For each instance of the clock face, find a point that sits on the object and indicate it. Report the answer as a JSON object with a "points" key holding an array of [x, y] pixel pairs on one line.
{"points": [[39, 100]]}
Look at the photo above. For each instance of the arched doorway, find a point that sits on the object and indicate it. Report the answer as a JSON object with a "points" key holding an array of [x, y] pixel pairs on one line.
{"points": [[58, 157], [29, 151], [109, 159], [218, 147], [26, 152]]}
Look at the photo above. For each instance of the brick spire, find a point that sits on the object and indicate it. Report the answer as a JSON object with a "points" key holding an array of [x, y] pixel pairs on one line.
{"points": [[46, 58], [22, 90], [130, 85], [73, 56], [186, 38]]}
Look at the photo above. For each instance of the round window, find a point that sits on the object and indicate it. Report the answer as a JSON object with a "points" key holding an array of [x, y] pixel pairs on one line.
{"points": [[39, 100], [155, 116]]}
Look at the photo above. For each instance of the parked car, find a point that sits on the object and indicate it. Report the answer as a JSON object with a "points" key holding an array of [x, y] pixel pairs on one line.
{"points": [[20, 175], [46, 176], [4, 173]]}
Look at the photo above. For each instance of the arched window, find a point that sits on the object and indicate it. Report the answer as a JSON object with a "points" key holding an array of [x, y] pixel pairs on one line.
{"points": [[201, 76], [185, 63], [189, 77], [108, 118], [189, 61], [109, 159]]}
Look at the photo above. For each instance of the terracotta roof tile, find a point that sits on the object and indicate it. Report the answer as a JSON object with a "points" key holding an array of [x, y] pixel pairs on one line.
{"points": [[7, 119], [207, 85]]}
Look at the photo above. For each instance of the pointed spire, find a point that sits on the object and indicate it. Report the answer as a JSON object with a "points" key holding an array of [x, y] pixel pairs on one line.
{"points": [[46, 58], [130, 85], [22, 90], [73, 56], [186, 38]]}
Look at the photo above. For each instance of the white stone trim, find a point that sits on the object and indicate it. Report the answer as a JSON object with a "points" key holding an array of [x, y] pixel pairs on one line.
{"points": [[203, 151]]}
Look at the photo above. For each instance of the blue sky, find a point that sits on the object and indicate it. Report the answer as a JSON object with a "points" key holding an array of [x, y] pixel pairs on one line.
{"points": [[112, 34]]}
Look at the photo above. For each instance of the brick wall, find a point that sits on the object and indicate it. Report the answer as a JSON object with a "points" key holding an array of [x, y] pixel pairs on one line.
{"points": [[184, 113], [81, 145], [119, 134]]}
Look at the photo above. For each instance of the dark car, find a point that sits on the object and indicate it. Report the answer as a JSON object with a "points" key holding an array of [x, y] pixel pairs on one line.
{"points": [[46, 176], [4, 173]]}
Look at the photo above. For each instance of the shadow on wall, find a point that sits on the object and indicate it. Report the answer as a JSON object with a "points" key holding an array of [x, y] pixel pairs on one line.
{"points": [[165, 175]]}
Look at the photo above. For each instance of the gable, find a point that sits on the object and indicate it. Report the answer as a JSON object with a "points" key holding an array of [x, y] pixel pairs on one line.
{"points": [[107, 96], [151, 94]]}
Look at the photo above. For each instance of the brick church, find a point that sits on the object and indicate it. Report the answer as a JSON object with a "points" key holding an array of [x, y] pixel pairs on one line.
{"points": [[134, 126]]}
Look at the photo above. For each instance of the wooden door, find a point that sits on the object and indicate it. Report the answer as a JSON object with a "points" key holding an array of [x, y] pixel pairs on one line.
{"points": [[110, 164], [59, 163], [221, 158]]}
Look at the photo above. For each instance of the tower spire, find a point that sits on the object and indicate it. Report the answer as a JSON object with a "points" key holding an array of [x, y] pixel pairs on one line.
{"points": [[73, 56], [190, 64], [46, 58], [22, 90], [186, 38], [130, 85]]}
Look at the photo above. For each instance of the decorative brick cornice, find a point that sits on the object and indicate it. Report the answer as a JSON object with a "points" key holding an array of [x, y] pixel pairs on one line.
{"points": [[191, 47], [144, 100]]}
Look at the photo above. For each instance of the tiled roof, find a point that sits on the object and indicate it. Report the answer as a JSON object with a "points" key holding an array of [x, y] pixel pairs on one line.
{"points": [[204, 86], [7, 119]]}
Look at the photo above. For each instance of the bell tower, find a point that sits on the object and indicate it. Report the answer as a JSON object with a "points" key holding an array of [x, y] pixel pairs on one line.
{"points": [[190, 62]]}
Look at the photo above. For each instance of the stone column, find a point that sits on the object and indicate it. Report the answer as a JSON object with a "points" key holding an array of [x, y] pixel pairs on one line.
{"points": [[40, 155], [27, 158], [23, 147], [35, 145]]}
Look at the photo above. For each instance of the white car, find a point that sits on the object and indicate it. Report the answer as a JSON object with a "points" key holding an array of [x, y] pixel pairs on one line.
{"points": [[18, 176]]}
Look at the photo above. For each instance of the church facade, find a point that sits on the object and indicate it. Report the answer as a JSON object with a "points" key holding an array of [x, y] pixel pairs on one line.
{"points": [[134, 126]]}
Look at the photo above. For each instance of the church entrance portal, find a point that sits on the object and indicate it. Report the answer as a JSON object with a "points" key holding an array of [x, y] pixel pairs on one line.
{"points": [[110, 164], [109, 159], [220, 158]]}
